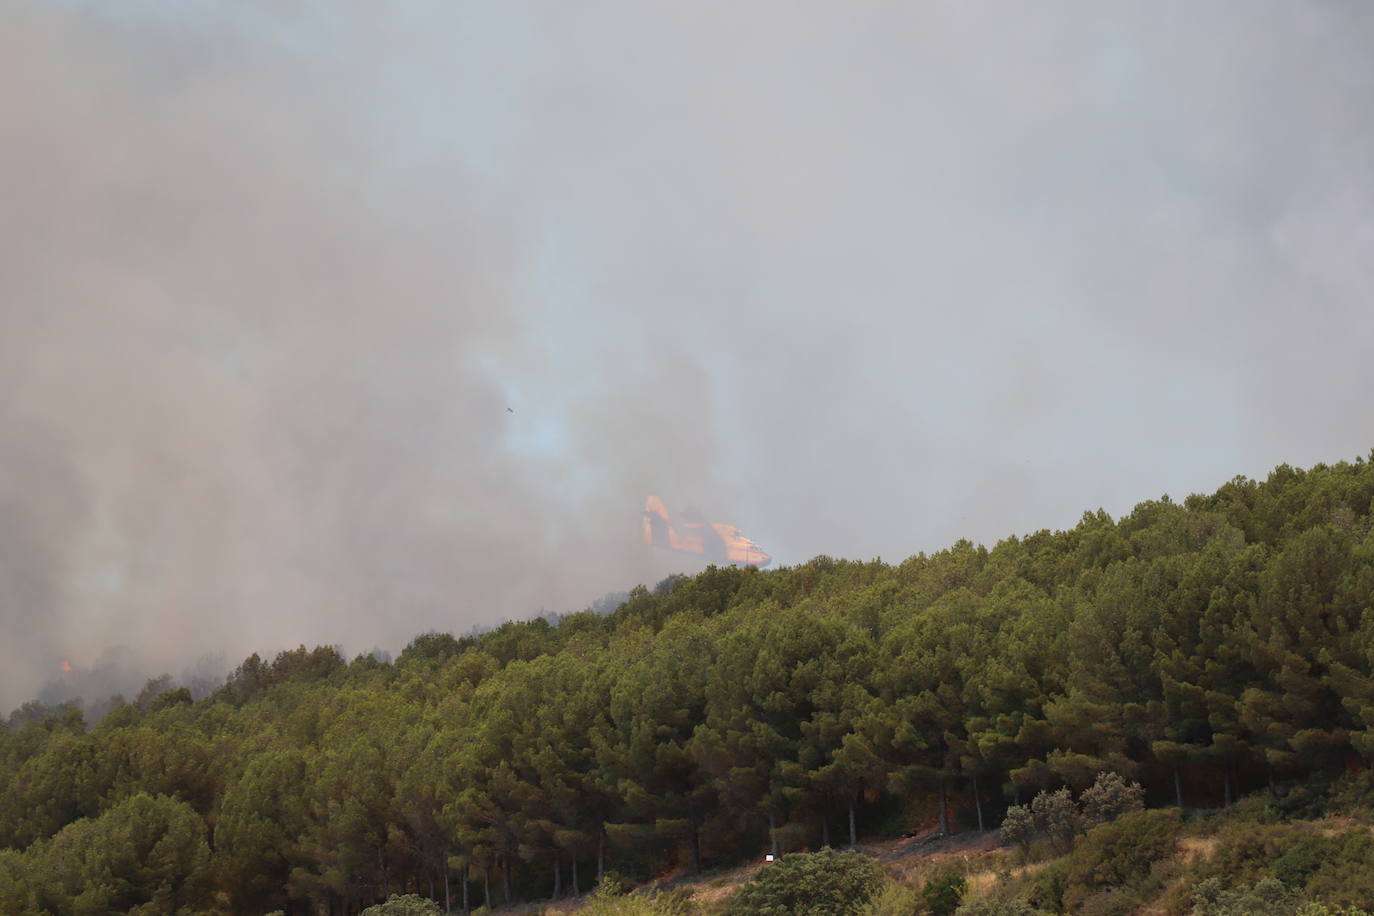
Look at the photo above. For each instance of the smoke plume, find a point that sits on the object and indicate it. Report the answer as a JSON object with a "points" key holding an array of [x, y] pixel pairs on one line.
{"points": [[861, 280]]}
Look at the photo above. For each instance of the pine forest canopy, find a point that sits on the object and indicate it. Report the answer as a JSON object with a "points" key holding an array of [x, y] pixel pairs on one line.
{"points": [[1205, 648]]}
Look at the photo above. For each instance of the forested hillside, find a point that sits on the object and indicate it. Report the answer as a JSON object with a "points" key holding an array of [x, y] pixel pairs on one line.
{"points": [[1207, 649]]}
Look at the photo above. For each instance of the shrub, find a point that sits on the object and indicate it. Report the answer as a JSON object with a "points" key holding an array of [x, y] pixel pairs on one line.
{"points": [[1045, 889], [943, 892], [1266, 898], [1119, 854], [675, 902], [1353, 792], [1110, 797], [1018, 827], [1058, 817], [614, 884], [1302, 860], [1309, 799], [1246, 852], [404, 905], [895, 899], [1345, 870], [1157, 892], [1335, 870], [825, 883], [1321, 909]]}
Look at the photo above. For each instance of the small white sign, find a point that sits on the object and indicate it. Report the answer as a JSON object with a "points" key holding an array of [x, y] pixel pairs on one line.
{"points": [[768, 858]]}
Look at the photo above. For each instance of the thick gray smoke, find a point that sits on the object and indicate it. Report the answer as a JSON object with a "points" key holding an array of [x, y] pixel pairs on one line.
{"points": [[859, 278]]}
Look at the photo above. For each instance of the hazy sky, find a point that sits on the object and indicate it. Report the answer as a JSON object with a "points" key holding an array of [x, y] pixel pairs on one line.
{"points": [[861, 278]]}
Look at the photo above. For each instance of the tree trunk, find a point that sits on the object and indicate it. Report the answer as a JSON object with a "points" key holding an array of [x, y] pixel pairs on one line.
{"points": [[1226, 784], [505, 877], [575, 889], [696, 850], [601, 855], [557, 876], [853, 837], [466, 903], [772, 834], [944, 809], [1178, 785], [486, 888], [977, 802], [447, 906], [825, 829], [1269, 770]]}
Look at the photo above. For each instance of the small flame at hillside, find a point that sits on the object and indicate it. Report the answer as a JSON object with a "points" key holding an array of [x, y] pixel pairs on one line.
{"points": [[716, 541], [66, 665]]}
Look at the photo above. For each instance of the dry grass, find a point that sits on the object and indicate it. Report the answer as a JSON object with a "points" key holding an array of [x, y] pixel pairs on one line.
{"points": [[1192, 848], [906, 860]]}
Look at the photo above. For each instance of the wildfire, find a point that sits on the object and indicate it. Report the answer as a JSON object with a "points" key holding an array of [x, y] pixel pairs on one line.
{"points": [[66, 665]]}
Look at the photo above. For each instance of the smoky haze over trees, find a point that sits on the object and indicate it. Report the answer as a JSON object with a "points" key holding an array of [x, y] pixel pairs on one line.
{"points": [[1182, 655], [861, 281]]}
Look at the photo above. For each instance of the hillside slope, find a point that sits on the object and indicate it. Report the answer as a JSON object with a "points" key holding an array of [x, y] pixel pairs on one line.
{"points": [[1208, 649]]}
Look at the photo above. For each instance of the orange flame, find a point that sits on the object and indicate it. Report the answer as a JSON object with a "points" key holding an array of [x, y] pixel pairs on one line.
{"points": [[66, 665]]}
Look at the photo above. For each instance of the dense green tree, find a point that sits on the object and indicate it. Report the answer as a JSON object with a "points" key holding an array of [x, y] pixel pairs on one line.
{"points": [[262, 829], [17, 892], [145, 855], [656, 704]]}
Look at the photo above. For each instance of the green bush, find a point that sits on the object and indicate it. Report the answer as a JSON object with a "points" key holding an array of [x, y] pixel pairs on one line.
{"points": [[1321, 909], [1119, 854], [1058, 818], [614, 884], [404, 905], [825, 883], [1018, 827], [1246, 851], [1253, 809], [1302, 860], [1110, 797], [1309, 799], [1345, 869], [1045, 889], [1266, 898], [1140, 895], [1336, 870], [609, 900], [1353, 792], [894, 899], [943, 892]]}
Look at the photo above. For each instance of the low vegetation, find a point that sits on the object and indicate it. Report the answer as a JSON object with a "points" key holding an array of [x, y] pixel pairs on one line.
{"points": [[826, 883], [1255, 861]]}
